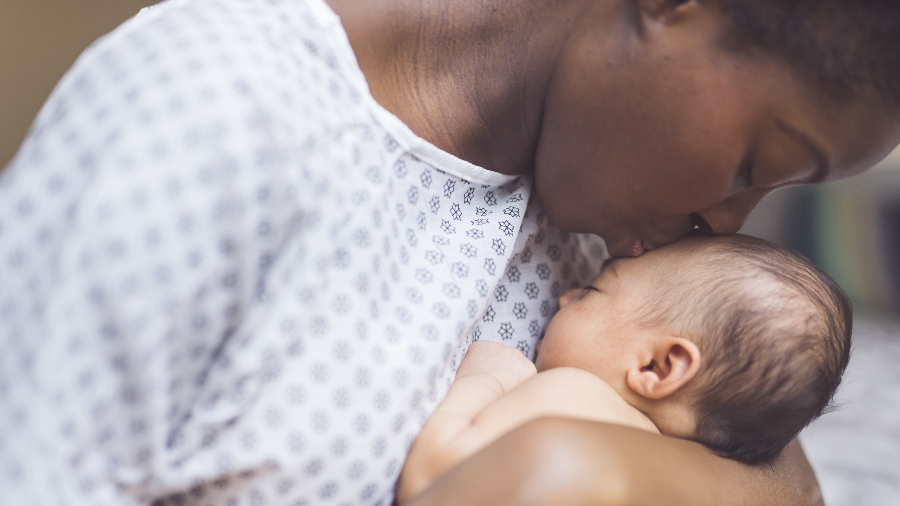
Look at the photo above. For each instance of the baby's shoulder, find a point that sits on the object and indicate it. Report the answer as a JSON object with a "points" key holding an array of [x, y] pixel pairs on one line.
{"points": [[573, 382], [573, 392]]}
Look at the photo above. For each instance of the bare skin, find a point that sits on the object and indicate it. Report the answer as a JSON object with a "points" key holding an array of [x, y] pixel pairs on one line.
{"points": [[637, 127], [554, 461], [496, 390]]}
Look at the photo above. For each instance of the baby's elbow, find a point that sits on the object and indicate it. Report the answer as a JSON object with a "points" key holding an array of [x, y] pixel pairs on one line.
{"points": [[433, 453]]}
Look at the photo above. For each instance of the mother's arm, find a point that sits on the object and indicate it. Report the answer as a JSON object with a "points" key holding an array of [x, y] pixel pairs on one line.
{"points": [[556, 461]]}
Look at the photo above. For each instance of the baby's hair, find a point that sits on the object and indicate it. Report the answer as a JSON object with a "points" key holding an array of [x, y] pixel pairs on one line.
{"points": [[846, 48], [774, 336]]}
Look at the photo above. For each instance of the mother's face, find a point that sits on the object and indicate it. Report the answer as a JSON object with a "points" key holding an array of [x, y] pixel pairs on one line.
{"points": [[677, 132]]}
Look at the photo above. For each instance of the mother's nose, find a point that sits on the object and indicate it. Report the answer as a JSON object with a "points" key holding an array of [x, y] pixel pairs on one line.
{"points": [[728, 216]]}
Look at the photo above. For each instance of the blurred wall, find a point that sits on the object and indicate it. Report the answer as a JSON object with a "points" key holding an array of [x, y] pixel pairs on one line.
{"points": [[39, 40]]}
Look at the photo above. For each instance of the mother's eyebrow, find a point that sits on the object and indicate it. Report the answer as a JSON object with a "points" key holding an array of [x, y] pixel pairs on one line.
{"points": [[822, 163]]}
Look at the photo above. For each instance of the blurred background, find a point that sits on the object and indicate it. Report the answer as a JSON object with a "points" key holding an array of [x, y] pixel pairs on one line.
{"points": [[850, 228], [39, 41]]}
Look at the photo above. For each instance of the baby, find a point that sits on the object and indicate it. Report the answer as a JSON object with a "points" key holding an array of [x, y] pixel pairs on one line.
{"points": [[732, 342]]}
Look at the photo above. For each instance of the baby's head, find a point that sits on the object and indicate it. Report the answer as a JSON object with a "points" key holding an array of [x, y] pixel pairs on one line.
{"points": [[729, 341]]}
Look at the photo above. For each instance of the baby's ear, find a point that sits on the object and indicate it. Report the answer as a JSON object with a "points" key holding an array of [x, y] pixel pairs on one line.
{"points": [[671, 362]]}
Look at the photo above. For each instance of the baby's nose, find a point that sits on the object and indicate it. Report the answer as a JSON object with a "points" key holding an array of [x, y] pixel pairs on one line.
{"points": [[569, 296]]}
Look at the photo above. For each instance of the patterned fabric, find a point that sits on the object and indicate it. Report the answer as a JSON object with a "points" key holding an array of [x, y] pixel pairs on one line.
{"points": [[227, 276]]}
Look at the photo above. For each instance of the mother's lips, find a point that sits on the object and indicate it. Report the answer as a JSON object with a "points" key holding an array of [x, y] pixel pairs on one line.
{"points": [[628, 248], [640, 247], [637, 249]]}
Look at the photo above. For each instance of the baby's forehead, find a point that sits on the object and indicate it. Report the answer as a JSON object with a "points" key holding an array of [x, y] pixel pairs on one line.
{"points": [[694, 255], [735, 250], [733, 264]]}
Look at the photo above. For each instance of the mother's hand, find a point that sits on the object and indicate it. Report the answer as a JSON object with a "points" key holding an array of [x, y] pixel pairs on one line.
{"points": [[555, 461]]}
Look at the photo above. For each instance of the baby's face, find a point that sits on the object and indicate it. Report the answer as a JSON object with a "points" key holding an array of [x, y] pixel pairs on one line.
{"points": [[596, 328]]}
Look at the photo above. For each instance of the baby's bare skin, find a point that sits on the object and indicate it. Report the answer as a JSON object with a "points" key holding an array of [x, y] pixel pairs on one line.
{"points": [[496, 390]]}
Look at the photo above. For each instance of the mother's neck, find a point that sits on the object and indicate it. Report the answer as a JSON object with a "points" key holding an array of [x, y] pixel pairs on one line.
{"points": [[469, 76]]}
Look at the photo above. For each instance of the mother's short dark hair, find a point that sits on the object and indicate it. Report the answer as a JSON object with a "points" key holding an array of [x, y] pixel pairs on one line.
{"points": [[844, 47]]}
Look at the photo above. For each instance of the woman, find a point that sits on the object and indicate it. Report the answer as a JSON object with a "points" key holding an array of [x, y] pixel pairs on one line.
{"points": [[234, 274]]}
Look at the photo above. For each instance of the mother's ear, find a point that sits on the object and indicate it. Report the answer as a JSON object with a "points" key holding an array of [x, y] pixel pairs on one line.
{"points": [[670, 363]]}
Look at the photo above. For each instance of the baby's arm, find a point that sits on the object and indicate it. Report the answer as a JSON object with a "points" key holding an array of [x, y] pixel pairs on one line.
{"points": [[488, 371], [480, 409]]}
